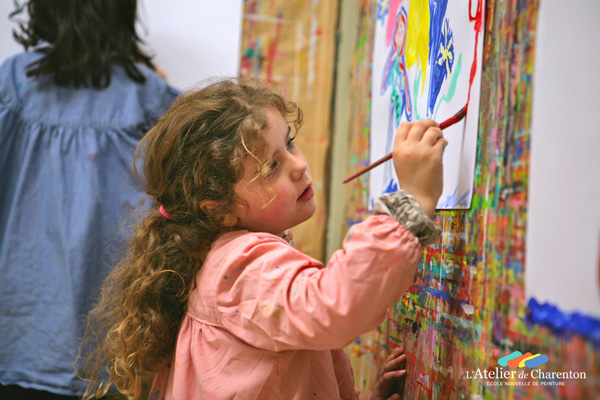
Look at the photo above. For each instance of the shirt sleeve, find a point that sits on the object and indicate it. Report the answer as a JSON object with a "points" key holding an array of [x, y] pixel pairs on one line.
{"points": [[273, 296]]}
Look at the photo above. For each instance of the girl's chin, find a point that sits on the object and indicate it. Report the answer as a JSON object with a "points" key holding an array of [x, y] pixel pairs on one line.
{"points": [[310, 212]]}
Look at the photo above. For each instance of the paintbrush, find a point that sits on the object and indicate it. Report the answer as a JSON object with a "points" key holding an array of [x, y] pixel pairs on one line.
{"points": [[449, 122]]}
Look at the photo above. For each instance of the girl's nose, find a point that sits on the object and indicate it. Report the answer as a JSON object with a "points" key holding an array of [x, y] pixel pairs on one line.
{"points": [[299, 166]]}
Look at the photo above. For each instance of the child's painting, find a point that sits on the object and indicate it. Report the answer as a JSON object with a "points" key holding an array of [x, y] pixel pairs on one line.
{"points": [[468, 308], [427, 65]]}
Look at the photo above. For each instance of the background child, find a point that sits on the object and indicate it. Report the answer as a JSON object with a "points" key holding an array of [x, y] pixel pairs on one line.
{"points": [[212, 301], [72, 110]]}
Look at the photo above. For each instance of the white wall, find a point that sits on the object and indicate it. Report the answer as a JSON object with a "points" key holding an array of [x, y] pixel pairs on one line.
{"points": [[192, 39], [8, 46], [563, 233]]}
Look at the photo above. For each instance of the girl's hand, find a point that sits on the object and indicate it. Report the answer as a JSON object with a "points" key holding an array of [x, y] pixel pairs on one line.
{"points": [[386, 388], [417, 155]]}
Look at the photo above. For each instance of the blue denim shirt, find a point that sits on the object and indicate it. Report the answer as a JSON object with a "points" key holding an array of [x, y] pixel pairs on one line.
{"points": [[66, 189]]}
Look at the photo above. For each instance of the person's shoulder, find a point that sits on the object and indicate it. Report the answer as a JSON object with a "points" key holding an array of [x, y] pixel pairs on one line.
{"points": [[243, 240], [232, 249], [155, 94], [20, 59], [15, 66], [13, 76], [156, 82]]}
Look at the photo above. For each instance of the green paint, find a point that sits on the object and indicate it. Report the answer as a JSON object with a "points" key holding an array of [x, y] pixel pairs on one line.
{"points": [[361, 42], [415, 95], [458, 321], [452, 89]]}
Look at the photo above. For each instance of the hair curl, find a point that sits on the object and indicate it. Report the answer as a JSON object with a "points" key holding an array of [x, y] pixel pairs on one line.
{"points": [[195, 152], [85, 37]]}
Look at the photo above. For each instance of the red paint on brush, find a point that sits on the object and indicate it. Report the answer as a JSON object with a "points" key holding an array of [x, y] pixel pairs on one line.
{"points": [[449, 122]]}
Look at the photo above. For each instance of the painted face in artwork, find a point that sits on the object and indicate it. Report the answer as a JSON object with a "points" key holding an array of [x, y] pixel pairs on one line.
{"points": [[400, 37]]}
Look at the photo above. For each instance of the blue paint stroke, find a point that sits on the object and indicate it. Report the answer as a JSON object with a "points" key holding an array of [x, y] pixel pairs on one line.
{"points": [[561, 322], [382, 10], [435, 292], [441, 50], [452, 201], [391, 187], [452, 89]]}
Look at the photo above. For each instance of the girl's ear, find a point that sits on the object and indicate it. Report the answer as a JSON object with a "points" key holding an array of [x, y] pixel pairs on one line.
{"points": [[241, 209], [210, 206], [230, 220]]}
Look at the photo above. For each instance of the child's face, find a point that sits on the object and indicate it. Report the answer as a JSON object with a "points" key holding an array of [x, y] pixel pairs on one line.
{"points": [[289, 179]]}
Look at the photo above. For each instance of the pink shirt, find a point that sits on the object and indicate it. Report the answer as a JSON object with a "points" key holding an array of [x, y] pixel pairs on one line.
{"points": [[269, 322]]}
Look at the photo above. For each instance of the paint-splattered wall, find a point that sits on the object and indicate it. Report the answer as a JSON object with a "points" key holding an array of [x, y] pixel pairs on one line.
{"points": [[292, 45], [467, 307]]}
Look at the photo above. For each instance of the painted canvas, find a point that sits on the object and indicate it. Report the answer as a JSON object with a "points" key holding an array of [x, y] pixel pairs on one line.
{"points": [[467, 310], [427, 65]]}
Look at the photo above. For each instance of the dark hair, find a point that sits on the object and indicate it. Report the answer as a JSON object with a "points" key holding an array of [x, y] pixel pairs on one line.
{"points": [[195, 152], [85, 37]]}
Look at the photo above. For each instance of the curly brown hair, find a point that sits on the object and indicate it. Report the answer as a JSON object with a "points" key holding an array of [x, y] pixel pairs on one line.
{"points": [[194, 153]]}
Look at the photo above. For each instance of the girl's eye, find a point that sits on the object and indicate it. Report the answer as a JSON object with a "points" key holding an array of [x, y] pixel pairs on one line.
{"points": [[273, 167], [290, 142]]}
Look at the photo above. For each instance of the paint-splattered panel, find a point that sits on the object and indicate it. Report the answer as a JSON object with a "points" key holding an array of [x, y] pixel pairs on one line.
{"points": [[467, 309], [291, 45]]}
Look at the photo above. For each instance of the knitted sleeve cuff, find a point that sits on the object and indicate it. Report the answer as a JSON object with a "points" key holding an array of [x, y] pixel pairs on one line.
{"points": [[403, 207]]}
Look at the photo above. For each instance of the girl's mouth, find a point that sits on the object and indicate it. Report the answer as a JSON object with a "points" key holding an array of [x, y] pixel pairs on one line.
{"points": [[307, 194]]}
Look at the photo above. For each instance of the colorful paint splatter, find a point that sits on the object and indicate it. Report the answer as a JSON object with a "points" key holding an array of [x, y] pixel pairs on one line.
{"points": [[467, 308]]}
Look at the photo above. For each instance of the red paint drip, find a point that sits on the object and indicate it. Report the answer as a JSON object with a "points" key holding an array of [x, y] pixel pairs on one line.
{"points": [[273, 49], [478, 19]]}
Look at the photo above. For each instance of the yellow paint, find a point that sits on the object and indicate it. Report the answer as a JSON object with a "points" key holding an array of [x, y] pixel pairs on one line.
{"points": [[445, 49], [417, 37], [522, 362]]}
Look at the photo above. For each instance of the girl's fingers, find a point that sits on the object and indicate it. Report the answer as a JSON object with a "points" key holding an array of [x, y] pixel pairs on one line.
{"points": [[441, 145], [402, 131], [432, 135], [398, 350], [395, 363], [391, 375], [395, 353], [417, 130]]}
